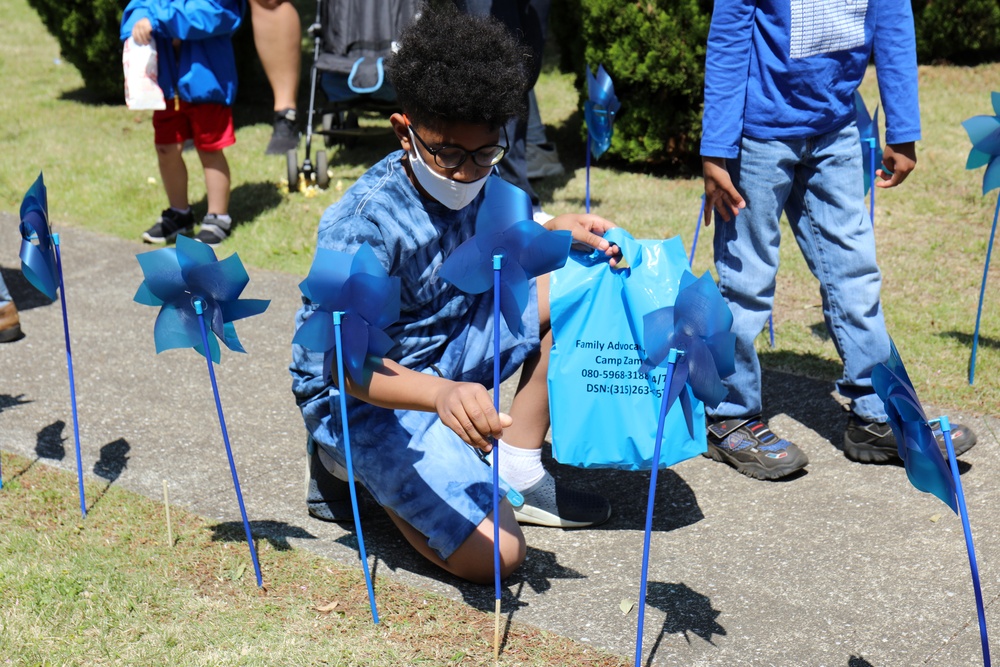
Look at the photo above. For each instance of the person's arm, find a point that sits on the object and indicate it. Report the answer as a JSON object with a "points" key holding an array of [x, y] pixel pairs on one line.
{"points": [[197, 19], [895, 49], [727, 62]]}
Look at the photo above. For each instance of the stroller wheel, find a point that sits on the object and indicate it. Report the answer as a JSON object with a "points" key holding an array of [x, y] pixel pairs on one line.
{"points": [[322, 175], [292, 158]]}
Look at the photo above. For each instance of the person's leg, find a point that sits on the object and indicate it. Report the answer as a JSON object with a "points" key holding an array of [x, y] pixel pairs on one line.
{"points": [[213, 131], [10, 323], [530, 407], [746, 260], [277, 34], [217, 181], [173, 173], [473, 560]]}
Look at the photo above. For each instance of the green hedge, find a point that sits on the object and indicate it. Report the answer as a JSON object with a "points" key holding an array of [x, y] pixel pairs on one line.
{"points": [[963, 32], [654, 51]]}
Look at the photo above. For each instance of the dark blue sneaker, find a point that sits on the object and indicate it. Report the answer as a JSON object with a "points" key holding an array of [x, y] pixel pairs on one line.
{"points": [[874, 442], [748, 445]]}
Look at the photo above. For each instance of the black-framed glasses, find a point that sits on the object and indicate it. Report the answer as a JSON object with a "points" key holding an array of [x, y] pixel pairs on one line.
{"points": [[449, 156]]}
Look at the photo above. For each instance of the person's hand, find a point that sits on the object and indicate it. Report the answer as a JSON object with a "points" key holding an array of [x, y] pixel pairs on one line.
{"points": [[720, 193], [467, 409], [142, 32], [587, 230], [898, 160]]}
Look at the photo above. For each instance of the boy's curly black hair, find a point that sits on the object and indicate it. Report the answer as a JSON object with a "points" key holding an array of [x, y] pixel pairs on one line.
{"points": [[455, 67]]}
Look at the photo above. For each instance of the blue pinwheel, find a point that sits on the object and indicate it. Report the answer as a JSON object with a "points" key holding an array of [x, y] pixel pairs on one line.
{"points": [[507, 249], [599, 111], [693, 339], [984, 133], [871, 147], [191, 285], [41, 264], [355, 300], [921, 455]]}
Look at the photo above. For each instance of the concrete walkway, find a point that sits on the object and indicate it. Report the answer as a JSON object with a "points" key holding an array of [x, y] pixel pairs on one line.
{"points": [[846, 565]]}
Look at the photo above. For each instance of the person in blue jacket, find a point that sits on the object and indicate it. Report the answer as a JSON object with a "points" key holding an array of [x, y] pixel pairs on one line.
{"points": [[779, 134], [197, 73]]}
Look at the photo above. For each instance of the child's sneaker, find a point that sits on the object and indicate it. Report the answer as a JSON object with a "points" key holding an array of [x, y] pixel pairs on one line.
{"points": [[748, 445], [547, 503], [874, 442], [214, 230], [170, 224]]}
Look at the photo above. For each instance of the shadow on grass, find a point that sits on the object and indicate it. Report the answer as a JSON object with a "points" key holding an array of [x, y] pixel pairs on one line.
{"points": [[687, 612], [966, 339], [277, 533], [110, 466], [90, 98]]}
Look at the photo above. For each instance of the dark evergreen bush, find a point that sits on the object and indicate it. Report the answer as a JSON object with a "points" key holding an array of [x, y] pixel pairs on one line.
{"points": [[963, 32], [654, 51]]}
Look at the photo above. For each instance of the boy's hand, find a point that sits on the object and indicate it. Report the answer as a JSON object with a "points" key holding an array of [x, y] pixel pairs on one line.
{"points": [[142, 32], [720, 193], [467, 409], [898, 160], [588, 230]]}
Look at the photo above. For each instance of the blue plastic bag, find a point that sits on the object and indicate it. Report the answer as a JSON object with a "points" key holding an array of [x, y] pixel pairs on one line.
{"points": [[604, 411]]}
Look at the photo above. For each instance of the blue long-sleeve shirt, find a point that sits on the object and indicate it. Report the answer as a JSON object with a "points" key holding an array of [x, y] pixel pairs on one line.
{"points": [[788, 70], [204, 69]]}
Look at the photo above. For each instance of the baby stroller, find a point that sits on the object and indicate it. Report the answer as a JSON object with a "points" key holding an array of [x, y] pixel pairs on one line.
{"points": [[351, 39]]}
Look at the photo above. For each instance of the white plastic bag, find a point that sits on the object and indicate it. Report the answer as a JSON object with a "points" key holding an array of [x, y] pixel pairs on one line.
{"points": [[141, 89]]}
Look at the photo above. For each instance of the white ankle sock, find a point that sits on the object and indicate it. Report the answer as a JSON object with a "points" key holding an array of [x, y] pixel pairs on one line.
{"points": [[521, 468]]}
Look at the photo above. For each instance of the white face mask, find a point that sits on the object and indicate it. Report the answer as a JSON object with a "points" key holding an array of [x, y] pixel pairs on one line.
{"points": [[456, 195]]}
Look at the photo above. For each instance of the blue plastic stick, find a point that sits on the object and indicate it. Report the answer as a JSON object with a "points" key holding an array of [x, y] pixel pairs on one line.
{"points": [[871, 185], [199, 308], [697, 228], [671, 362], [497, 265], [964, 513], [72, 382], [982, 292], [587, 199], [337, 314]]}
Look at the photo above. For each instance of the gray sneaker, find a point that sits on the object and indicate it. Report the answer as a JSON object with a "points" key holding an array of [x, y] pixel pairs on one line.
{"points": [[213, 230], [168, 226], [547, 503]]}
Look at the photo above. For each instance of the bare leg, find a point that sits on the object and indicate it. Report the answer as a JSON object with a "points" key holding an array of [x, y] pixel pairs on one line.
{"points": [[530, 409], [217, 181], [277, 34], [473, 560], [174, 174]]}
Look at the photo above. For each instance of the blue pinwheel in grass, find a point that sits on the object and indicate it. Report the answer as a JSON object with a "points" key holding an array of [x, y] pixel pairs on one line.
{"points": [[504, 226], [870, 141], [357, 286], [38, 257], [599, 110], [698, 325], [984, 133], [918, 448], [176, 277]]}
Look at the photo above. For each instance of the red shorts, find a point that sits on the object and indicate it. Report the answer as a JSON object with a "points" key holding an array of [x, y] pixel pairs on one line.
{"points": [[209, 125]]}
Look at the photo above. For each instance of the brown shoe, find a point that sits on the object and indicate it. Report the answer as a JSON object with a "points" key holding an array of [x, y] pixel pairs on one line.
{"points": [[10, 324]]}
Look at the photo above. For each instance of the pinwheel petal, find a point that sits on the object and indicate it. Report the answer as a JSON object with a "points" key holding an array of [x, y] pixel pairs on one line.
{"points": [[145, 297], [688, 409], [162, 274], [174, 328], [241, 308], [375, 297], [977, 159], [220, 281], [192, 254], [316, 333], [329, 271], [354, 336], [503, 205], [601, 90], [991, 179], [599, 126], [657, 339], [984, 133], [467, 270], [512, 305], [722, 345], [544, 251], [39, 268], [679, 379], [230, 338], [379, 342], [706, 384]]}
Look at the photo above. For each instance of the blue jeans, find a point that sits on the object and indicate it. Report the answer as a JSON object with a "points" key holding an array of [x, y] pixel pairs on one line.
{"points": [[818, 182]]}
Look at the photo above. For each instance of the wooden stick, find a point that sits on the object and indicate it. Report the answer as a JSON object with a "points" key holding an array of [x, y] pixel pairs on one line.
{"points": [[166, 504], [496, 633]]}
